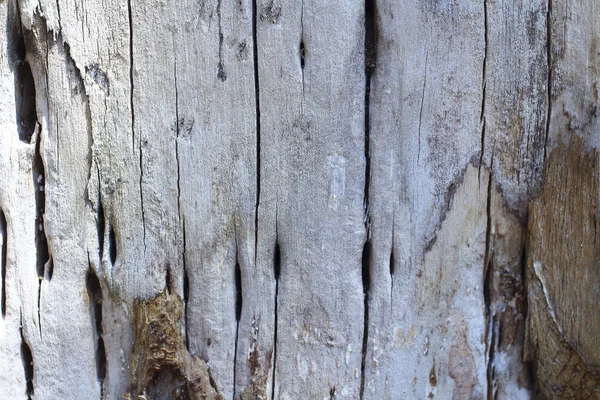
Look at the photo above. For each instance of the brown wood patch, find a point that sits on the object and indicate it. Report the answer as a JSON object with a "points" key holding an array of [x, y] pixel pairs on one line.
{"points": [[563, 275]]}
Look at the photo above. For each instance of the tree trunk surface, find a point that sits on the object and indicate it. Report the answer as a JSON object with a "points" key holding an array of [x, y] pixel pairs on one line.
{"points": [[316, 199]]}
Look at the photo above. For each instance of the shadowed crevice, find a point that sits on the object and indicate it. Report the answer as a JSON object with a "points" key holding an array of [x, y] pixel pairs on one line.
{"points": [[94, 291], [238, 316], [44, 264], [112, 245], [302, 53], [370, 58], [367, 259], [27, 360], [41, 243], [484, 85], [257, 105], [3, 259], [550, 75], [100, 226], [277, 273], [25, 100], [492, 324]]}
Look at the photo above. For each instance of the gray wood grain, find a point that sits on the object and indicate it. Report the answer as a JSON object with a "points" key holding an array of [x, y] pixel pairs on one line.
{"points": [[333, 194], [312, 180], [425, 137]]}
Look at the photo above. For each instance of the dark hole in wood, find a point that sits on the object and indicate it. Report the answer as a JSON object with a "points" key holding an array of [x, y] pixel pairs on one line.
{"points": [[39, 185], [392, 263], [95, 297], [238, 291], [112, 243], [277, 271], [25, 110], [20, 50], [302, 54], [366, 279], [488, 287], [186, 288], [27, 359], [277, 261], [169, 281], [3, 259], [366, 266], [186, 296], [25, 102], [100, 227], [168, 383], [101, 365], [370, 36]]}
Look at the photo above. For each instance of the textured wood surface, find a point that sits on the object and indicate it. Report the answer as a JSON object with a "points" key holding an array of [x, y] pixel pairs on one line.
{"points": [[298, 199], [563, 258]]}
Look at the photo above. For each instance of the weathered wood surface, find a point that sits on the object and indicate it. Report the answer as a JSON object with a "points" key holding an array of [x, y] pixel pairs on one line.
{"points": [[299, 199], [563, 256]]}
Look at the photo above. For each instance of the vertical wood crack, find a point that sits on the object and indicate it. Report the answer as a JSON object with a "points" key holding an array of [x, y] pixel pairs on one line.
{"points": [[131, 104], [483, 87], [186, 289], [94, 291], [100, 223], [392, 266], [549, 64], [366, 278], [302, 48], [27, 360], [238, 307], [488, 288], [277, 274], [370, 59], [178, 125], [257, 108], [3, 259], [221, 74], [421, 108], [41, 242]]}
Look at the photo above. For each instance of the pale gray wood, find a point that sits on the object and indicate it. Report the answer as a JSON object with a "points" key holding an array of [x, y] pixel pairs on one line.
{"points": [[312, 179], [425, 310], [574, 78], [20, 281], [216, 148], [80, 41]]}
